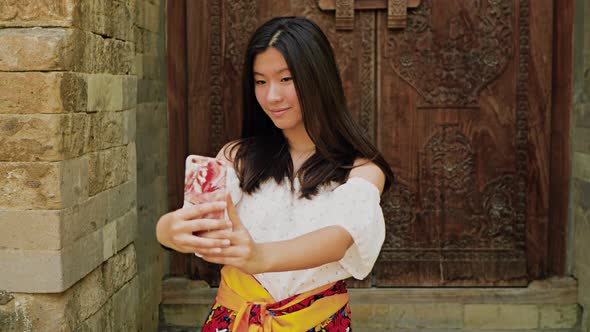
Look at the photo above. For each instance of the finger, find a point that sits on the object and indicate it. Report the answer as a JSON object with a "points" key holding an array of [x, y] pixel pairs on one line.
{"points": [[218, 234], [231, 252], [232, 213], [198, 243], [200, 225], [223, 260], [195, 212]]}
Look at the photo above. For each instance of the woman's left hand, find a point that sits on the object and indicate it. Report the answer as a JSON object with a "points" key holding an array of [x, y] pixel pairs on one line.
{"points": [[243, 252]]}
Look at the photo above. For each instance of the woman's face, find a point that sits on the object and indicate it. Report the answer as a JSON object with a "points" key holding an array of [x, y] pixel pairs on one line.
{"points": [[275, 90]]}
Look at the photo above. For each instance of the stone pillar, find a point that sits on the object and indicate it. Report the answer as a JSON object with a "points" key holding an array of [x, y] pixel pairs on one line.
{"points": [[580, 201], [75, 75]]}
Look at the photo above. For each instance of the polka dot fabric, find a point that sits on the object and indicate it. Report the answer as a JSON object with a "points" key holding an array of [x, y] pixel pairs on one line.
{"points": [[274, 213]]}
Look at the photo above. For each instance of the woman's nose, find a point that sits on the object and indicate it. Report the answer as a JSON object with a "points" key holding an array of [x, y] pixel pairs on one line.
{"points": [[274, 93]]}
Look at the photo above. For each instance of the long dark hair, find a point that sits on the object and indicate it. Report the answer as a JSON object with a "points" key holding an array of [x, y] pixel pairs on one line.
{"points": [[263, 151]]}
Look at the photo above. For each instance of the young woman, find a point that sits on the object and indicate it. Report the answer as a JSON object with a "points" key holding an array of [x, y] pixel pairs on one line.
{"points": [[305, 186]]}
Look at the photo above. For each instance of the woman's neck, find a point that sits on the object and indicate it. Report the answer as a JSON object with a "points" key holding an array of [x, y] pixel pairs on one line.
{"points": [[299, 140]]}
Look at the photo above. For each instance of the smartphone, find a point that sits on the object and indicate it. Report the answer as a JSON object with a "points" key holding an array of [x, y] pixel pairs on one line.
{"points": [[204, 182]]}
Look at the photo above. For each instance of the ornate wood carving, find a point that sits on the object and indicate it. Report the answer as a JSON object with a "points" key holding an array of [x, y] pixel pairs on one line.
{"points": [[344, 14], [396, 13], [449, 70], [216, 56], [367, 76], [242, 21]]}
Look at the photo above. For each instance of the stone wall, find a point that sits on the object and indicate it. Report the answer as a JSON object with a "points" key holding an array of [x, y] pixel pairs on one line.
{"points": [[580, 193], [82, 119]]}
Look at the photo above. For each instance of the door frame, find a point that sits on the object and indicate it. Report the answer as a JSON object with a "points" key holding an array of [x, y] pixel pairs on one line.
{"points": [[560, 151]]}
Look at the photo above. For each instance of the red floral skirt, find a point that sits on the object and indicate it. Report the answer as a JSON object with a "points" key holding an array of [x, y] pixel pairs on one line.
{"points": [[221, 319]]}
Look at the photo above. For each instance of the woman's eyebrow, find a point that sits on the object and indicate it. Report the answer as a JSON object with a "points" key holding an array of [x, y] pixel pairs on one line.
{"points": [[277, 72]]}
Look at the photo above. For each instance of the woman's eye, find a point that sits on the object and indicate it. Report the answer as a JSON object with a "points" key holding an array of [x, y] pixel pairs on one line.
{"points": [[259, 82], [286, 79]]}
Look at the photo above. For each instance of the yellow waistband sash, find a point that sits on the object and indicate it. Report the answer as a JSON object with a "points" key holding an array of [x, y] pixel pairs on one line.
{"points": [[240, 292]]}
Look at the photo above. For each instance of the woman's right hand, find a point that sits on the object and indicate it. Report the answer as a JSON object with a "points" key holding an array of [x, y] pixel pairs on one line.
{"points": [[175, 229]]}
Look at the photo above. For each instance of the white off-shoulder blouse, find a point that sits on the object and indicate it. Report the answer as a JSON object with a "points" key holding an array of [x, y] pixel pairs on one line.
{"points": [[274, 213]]}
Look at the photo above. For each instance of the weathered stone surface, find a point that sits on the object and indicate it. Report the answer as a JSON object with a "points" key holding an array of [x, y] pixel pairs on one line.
{"points": [[581, 193], [186, 315], [148, 16], [30, 230], [35, 49], [150, 91], [53, 271], [125, 305], [49, 186], [34, 92], [408, 316], [581, 163], [582, 116], [148, 42], [559, 316], [65, 311], [42, 137], [126, 230], [110, 129], [582, 140], [64, 49], [118, 270], [496, 316], [150, 295], [27, 13], [111, 92], [108, 168], [110, 18]]}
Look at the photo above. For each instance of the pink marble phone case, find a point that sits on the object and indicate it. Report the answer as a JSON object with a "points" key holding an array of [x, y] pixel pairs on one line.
{"points": [[204, 182]]}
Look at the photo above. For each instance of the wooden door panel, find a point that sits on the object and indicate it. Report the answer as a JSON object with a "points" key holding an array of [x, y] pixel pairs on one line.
{"points": [[459, 102], [459, 121]]}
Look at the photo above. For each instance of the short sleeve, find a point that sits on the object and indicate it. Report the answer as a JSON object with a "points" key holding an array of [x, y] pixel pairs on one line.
{"points": [[355, 207]]}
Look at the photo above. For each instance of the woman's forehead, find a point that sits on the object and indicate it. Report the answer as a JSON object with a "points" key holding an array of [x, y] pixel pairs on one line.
{"points": [[270, 62]]}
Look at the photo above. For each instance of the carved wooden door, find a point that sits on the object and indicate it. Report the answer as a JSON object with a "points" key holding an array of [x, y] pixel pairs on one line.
{"points": [[458, 101]]}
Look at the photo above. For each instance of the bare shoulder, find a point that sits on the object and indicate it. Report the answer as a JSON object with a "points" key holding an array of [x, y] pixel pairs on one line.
{"points": [[228, 152], [368, 170]]}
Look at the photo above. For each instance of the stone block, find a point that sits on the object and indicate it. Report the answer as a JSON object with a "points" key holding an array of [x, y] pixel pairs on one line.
{"points": [[582, 115], [43, 186], [31, 230], [581, 193], [559, 316], [37, 13], [119, 269], [42, 137], [110, 18], [126, 229], [125, 305], [108, 169], [58, 49], [581, 166], [150, 296], [501, 317], [148, 42], [35, 49], [150, 91], [148, 16], [111, 92], [50, 271], [185, 315], [121, 199], [37, 92], [67, 310], [110, 129], [582, 140], [371, 315], [582, 233]]}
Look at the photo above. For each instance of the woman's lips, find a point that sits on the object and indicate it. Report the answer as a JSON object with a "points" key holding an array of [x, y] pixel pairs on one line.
{"points": [[280, 111]]}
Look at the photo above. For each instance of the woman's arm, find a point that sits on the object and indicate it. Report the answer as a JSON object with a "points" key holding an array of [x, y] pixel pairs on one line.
{"points": [[326, 245]]}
